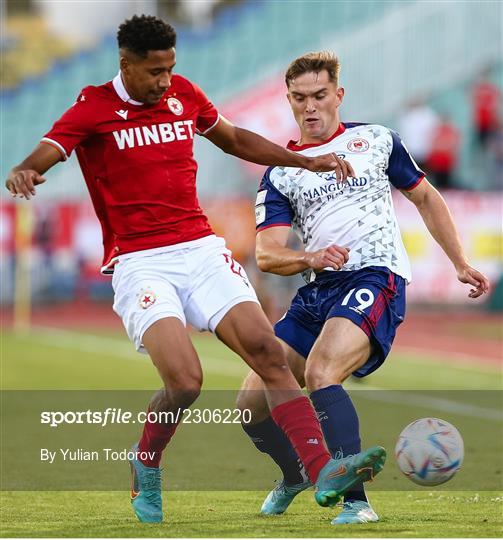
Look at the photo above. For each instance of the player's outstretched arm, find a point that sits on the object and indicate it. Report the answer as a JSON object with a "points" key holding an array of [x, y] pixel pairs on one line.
{"points": [[22, 179], [252, 147], [438, 220], [273, 256]]}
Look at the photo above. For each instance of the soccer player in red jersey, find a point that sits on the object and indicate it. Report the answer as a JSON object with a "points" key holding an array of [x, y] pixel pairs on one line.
{"points": [[134, 141], [486, 100]]}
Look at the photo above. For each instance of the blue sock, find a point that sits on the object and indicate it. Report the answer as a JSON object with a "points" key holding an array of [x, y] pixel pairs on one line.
{"points": [[340, 425], [270, 439]]}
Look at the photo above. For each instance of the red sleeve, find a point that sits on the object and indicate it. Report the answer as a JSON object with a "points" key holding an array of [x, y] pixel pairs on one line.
{"points": [[73, 127], [208, 114]]}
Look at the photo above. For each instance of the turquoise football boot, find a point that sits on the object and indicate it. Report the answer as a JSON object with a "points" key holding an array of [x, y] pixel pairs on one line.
{"points": [[355, 512], [280, 498], [145, 490], [339, 475]]}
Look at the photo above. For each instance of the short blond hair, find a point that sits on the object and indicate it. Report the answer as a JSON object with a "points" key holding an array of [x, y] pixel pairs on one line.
{"points": [[314, 62]]}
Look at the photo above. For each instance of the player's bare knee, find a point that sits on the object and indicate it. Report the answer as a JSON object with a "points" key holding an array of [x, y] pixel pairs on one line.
{"points": [[267, 358], [319, 375], [265, 348], [270, 360], [274, 373]]}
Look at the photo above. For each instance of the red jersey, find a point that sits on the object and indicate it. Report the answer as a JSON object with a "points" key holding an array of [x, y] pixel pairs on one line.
{"points": [[445, 148], [486, 98], [138, 163]]}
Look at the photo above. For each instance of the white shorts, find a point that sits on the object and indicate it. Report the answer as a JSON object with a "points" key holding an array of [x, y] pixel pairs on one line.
{"points": [[197, 282]]}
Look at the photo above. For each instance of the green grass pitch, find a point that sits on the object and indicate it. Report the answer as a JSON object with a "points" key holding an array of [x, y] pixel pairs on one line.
{"points": [[64, 360]]}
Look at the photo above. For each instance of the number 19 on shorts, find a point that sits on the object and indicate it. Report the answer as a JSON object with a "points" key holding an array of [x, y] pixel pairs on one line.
{"points": [[364, 297]]}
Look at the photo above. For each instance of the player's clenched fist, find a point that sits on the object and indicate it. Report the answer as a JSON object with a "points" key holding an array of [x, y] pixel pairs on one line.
{"points": [[331, 162], [23, 183], [331, 257]]}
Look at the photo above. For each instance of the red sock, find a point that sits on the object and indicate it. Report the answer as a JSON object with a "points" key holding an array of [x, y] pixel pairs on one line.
{"points": [[155, 438], [299, 422]]}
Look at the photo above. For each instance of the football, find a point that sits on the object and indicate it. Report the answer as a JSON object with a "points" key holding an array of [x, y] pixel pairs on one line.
{"points": [[429, 451]]}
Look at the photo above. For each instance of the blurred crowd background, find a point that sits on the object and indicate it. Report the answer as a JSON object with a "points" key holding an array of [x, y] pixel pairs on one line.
{"points": [[431, 70]]}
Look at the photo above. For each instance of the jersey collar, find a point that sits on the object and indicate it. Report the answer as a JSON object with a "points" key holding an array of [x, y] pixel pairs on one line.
{"points": [[122, 92], [292, 145]]}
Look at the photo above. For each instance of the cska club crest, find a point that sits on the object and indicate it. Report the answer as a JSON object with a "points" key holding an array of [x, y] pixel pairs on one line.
{"points": [[175, 106], [147, 299]]}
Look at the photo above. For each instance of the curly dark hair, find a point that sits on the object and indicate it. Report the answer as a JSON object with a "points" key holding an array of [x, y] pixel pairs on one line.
{"points": [[144, 33]]}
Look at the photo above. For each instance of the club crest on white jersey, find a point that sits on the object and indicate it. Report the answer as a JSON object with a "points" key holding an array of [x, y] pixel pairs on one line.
{"points": [[358, 145]]}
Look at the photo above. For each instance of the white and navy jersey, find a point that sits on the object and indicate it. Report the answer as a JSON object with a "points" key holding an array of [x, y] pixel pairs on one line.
{"points": [[357, 213]]}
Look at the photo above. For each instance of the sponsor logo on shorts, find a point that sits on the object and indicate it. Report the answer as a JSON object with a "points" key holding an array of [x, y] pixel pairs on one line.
{"points": [[147, 299]]}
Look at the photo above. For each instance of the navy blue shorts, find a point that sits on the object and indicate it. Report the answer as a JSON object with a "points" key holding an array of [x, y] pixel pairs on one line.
{"points": [[373, 298]]}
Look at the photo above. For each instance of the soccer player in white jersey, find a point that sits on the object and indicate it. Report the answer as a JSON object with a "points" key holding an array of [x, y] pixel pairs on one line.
{"points": [[134, 140], [344, 320]]}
